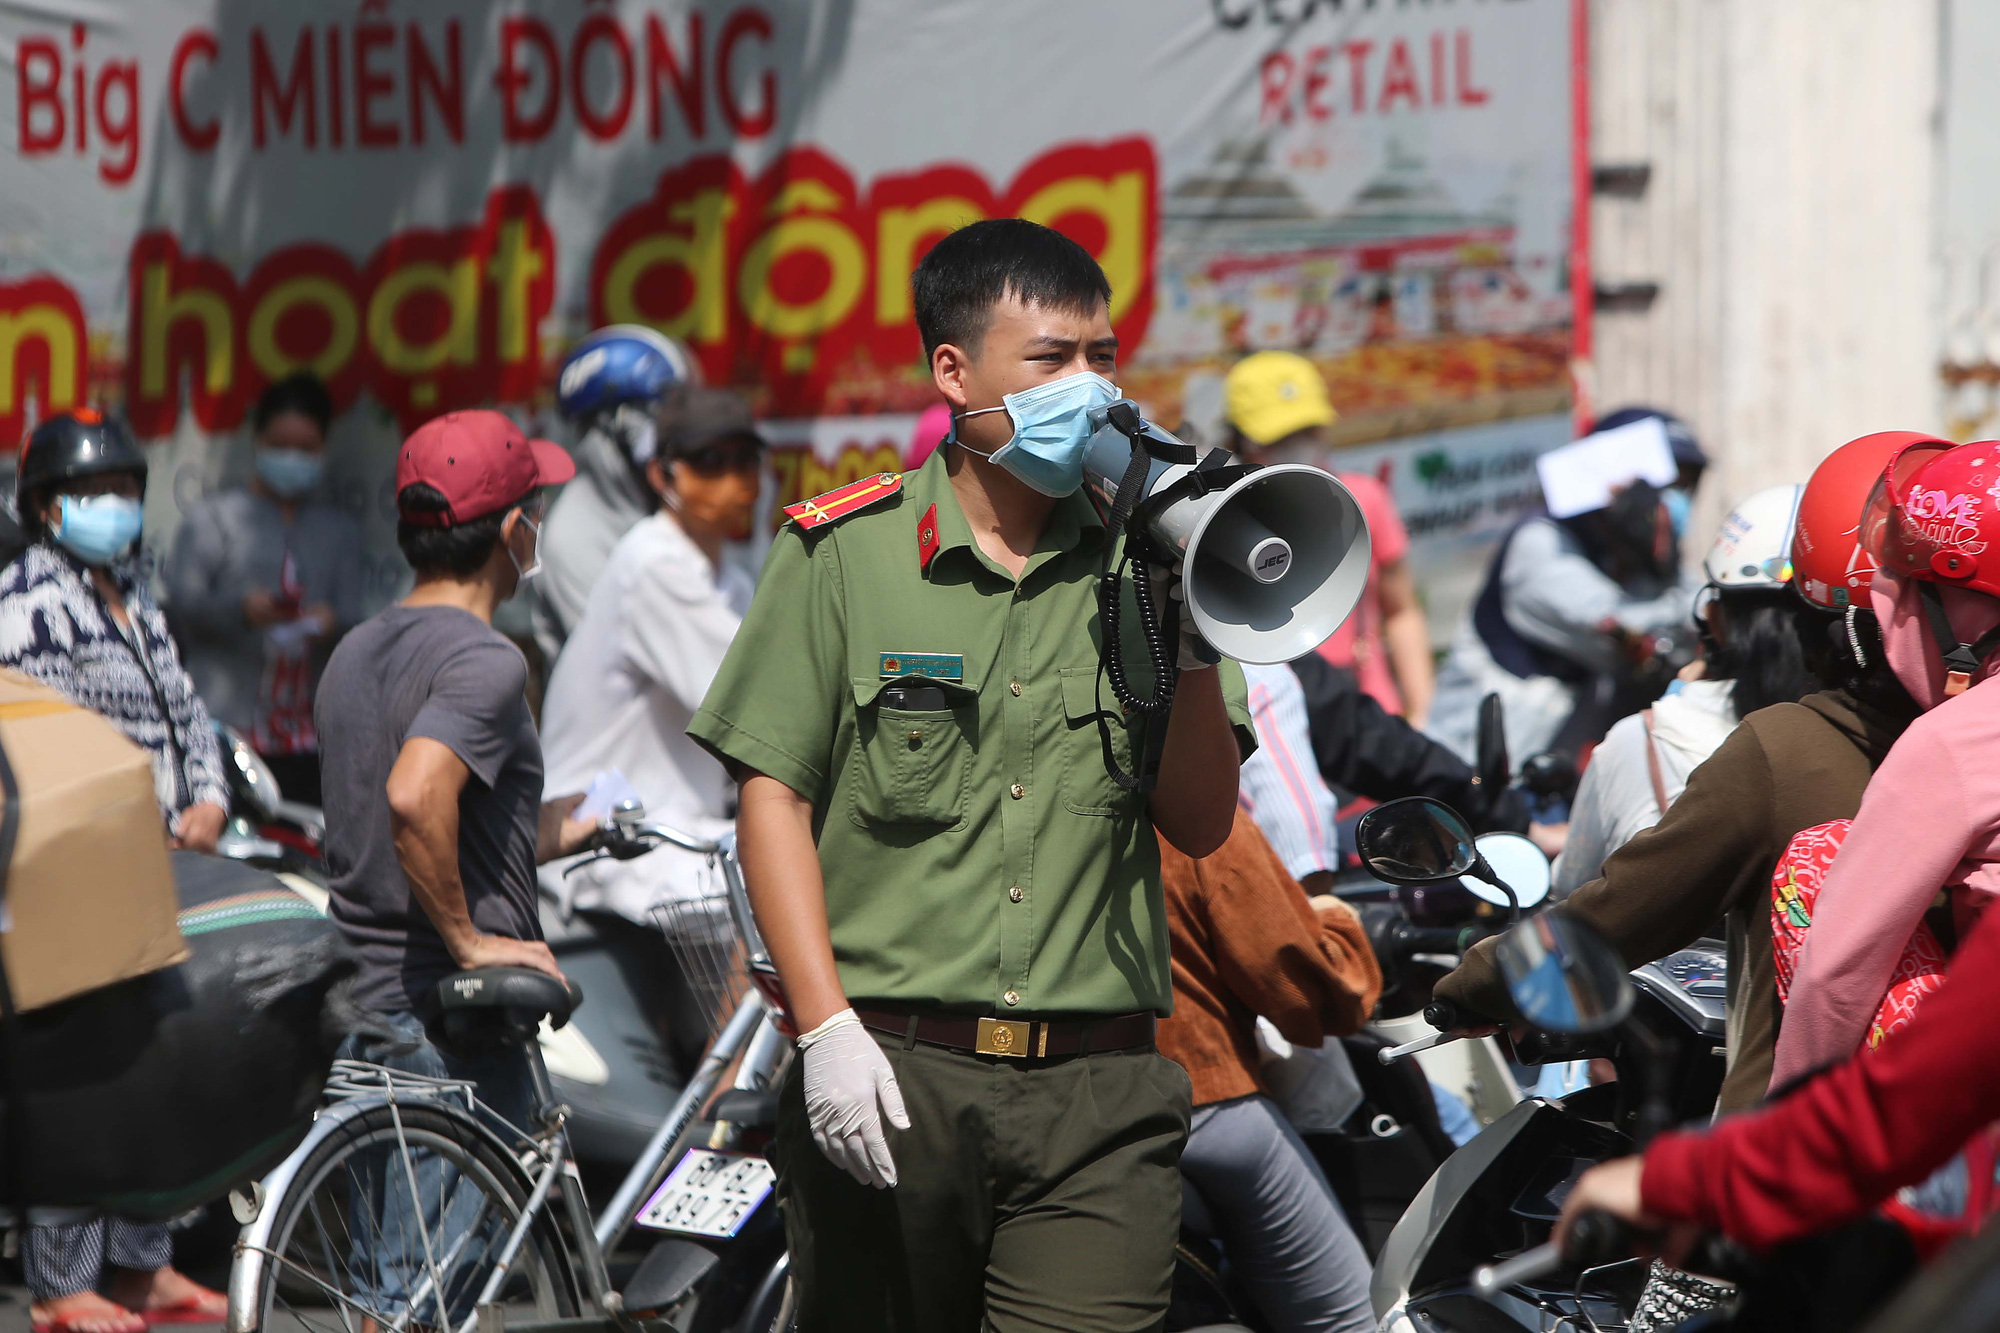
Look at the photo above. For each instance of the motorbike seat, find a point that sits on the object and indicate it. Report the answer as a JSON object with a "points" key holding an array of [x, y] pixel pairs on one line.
{"points": [[521, 991]]}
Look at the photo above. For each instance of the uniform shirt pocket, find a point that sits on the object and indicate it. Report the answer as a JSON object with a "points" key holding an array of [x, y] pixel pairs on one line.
{"points": [[1087, 786], [911, 767]]}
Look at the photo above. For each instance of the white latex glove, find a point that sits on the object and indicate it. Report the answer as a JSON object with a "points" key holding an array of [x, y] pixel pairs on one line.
{"points": [[846, 1077], [1196, 653]]}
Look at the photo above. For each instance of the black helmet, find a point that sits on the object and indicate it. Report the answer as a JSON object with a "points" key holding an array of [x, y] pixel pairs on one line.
{"points": [[82, 443]]}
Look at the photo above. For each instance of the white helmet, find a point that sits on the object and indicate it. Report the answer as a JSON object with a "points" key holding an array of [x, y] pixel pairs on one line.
{"points": [[1753, 551]]}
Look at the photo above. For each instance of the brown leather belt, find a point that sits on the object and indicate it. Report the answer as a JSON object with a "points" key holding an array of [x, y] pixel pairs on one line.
{"points": [[1022, 1038]]}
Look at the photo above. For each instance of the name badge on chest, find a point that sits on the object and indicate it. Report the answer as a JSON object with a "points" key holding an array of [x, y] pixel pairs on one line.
{"points": [[931, 666]]}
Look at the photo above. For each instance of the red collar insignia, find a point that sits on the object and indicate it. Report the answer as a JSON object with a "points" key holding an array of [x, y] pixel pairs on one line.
{"points": [[927, 538]]}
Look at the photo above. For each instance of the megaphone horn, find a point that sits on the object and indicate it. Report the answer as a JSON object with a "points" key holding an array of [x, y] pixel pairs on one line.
{"points": [[1272, 564]]}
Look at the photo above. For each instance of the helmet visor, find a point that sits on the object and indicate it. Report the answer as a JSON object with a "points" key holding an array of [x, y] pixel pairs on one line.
{"points": [[1902, 542]]}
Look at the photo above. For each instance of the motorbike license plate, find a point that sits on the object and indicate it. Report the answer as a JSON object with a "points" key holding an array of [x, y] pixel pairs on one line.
{"points": [[709, 1194]]}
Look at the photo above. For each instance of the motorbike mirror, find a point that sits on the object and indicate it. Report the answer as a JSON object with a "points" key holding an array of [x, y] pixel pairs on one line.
{"points": [[1563, 976], [250, 777], [1517, 863], [1415, 840], [1494, 769]]}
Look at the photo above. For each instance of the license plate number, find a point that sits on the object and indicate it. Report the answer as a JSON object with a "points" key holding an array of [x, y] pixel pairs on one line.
{"points": [[709, 1194]]}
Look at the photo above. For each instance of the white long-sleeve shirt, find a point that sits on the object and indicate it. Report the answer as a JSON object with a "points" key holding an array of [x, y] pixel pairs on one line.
{"points": [[1615, 802], [1280, 786], [629, 680]]}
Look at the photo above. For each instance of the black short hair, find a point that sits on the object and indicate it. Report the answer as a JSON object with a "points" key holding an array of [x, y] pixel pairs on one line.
{"points": [[972, 270], [456, 552], [300, 392]]}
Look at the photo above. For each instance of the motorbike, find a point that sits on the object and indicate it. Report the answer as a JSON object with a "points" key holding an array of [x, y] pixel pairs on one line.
{"points": [[1394, 1140], [265, 829], [1662, 1029]]}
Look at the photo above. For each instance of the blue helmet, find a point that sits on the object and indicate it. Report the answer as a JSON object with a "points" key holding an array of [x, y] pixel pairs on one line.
{"points": [[620, 364]]}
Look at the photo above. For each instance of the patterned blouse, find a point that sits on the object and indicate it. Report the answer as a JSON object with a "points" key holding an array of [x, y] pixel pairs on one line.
{"points": [[54, 627]]}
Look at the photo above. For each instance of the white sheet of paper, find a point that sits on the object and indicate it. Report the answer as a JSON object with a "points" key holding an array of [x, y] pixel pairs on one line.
{"points": [[1581, 477], [607, 789]]}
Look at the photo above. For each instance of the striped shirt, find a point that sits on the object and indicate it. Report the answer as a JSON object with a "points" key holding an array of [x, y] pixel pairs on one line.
{"points": [[1281, 787]]}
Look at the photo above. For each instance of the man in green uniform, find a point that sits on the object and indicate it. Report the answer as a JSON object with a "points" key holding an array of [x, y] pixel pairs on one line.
{"points": [[964, 907]]}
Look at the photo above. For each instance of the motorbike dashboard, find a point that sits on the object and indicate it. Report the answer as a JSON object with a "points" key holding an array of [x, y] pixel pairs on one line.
{"points": [[1694, 983]]}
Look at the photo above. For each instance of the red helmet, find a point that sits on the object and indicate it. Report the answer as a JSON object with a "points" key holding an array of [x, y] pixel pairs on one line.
{"points": [[1934, 514], [1933, 518], [1833, 570]]}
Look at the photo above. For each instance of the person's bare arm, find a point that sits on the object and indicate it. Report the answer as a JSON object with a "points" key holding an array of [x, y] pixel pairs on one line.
{"points": [[1406, 634], [423, 791], [1194, 805], [774, 838]]}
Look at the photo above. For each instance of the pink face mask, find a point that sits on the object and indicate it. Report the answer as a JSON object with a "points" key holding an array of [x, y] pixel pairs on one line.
{"points": [[1906, 635]]}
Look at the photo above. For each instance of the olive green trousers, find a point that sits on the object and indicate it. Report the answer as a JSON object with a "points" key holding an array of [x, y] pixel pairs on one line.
{"points": [[1031, 1194]]}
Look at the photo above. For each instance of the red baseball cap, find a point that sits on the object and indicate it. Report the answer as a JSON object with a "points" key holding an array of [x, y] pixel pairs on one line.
{"points": [[481, 463]]}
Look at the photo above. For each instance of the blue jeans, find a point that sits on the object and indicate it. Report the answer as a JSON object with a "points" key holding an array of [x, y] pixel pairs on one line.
{"points": [[388, 1255]]}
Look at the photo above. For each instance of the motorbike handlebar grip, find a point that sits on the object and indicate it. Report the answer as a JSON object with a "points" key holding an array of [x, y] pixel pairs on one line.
{"points": [[1439, 939], [1446, 1016], [1597, 1237]]}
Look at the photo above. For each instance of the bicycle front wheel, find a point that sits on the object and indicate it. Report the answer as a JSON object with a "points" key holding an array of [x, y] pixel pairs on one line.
{"points": [[398, 1226]]}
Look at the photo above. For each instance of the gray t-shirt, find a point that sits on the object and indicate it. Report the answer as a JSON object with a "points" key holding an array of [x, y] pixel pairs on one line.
{"points": [[441, 673]]}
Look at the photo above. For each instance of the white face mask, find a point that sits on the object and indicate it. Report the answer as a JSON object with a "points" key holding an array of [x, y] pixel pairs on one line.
{"points": [[534, 566]]}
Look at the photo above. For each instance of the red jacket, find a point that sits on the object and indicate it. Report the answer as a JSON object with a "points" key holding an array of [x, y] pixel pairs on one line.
{"points": [[1855, 1134]]}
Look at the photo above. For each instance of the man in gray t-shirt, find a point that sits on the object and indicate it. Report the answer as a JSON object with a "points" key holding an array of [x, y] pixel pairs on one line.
{"points": [[431, 769], [442, 674]]}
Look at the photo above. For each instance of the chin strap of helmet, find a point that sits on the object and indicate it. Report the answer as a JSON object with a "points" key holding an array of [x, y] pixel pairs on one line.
{"points": [[1961, 659], [1854, 637]]}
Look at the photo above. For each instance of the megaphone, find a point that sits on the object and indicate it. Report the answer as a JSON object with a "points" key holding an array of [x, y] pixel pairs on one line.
{"points": [[1272, 563]]}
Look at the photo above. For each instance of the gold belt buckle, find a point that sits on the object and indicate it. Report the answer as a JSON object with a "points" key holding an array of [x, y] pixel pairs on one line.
{"points": [[1002, 1036]]}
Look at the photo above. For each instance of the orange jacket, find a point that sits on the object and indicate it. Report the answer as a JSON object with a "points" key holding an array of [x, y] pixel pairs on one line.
{"points": [[1246, 942]]}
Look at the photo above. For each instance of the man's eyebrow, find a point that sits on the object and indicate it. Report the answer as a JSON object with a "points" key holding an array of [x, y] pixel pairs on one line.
{"points": [[1050, 341], [1107, 344]]}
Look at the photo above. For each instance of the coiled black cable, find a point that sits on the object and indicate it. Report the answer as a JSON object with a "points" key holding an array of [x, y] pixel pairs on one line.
{"points": [[1110, 609]]}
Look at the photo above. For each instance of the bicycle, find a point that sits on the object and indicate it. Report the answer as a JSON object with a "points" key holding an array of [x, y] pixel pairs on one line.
{"points": [[335, 1237]]}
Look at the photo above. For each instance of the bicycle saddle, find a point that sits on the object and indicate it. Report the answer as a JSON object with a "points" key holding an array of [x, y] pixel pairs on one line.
{"points": [[517, 988]]}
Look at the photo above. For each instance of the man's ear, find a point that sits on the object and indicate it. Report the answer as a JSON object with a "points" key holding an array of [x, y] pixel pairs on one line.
{"points": [[658, 477], [949, 367]]}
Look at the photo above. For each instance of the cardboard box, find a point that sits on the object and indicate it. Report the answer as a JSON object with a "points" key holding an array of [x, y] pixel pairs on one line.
{"points": [[89, 895]]}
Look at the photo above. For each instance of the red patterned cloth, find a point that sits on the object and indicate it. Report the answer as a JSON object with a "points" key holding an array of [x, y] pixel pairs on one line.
{"points": [[1933, 1219], [1795, 886]]}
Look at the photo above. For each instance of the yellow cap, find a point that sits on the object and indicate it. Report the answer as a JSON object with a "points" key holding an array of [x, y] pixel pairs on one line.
{"points": [[1270, 395]]}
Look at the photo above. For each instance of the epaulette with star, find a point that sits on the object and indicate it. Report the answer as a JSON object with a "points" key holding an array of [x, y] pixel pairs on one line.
{"points": [[844, 500]]}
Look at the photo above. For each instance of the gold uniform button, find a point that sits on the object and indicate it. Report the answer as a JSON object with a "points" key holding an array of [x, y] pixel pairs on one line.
{"points": [[1012, 997], [1017, 791], [1015, 893], [1015, 686]]}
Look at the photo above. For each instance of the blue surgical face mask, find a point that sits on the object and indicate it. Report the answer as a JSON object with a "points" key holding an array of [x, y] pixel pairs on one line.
{"points": [[97, 529], [289, 473], [1679, 503], [1051, 430]]}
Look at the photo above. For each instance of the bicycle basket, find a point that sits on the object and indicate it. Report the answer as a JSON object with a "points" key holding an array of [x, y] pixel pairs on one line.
{"points": [[702, 934]]}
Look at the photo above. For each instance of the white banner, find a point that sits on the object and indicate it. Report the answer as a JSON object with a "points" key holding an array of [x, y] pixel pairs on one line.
{"points": [[425, 204]]}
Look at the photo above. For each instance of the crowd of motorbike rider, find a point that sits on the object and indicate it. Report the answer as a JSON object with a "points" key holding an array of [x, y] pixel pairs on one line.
{"points": [[1838, 622]]}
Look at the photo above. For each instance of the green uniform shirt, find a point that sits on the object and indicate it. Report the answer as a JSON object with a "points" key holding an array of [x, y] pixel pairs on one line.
{"points": [[978, 857]]}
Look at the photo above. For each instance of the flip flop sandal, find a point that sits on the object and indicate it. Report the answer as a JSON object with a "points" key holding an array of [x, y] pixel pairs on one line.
{"points": [[191, 1311], [75, 1325]]}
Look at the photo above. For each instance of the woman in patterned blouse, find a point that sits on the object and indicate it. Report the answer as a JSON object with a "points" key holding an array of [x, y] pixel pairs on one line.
{"points": [[75, 614]]}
